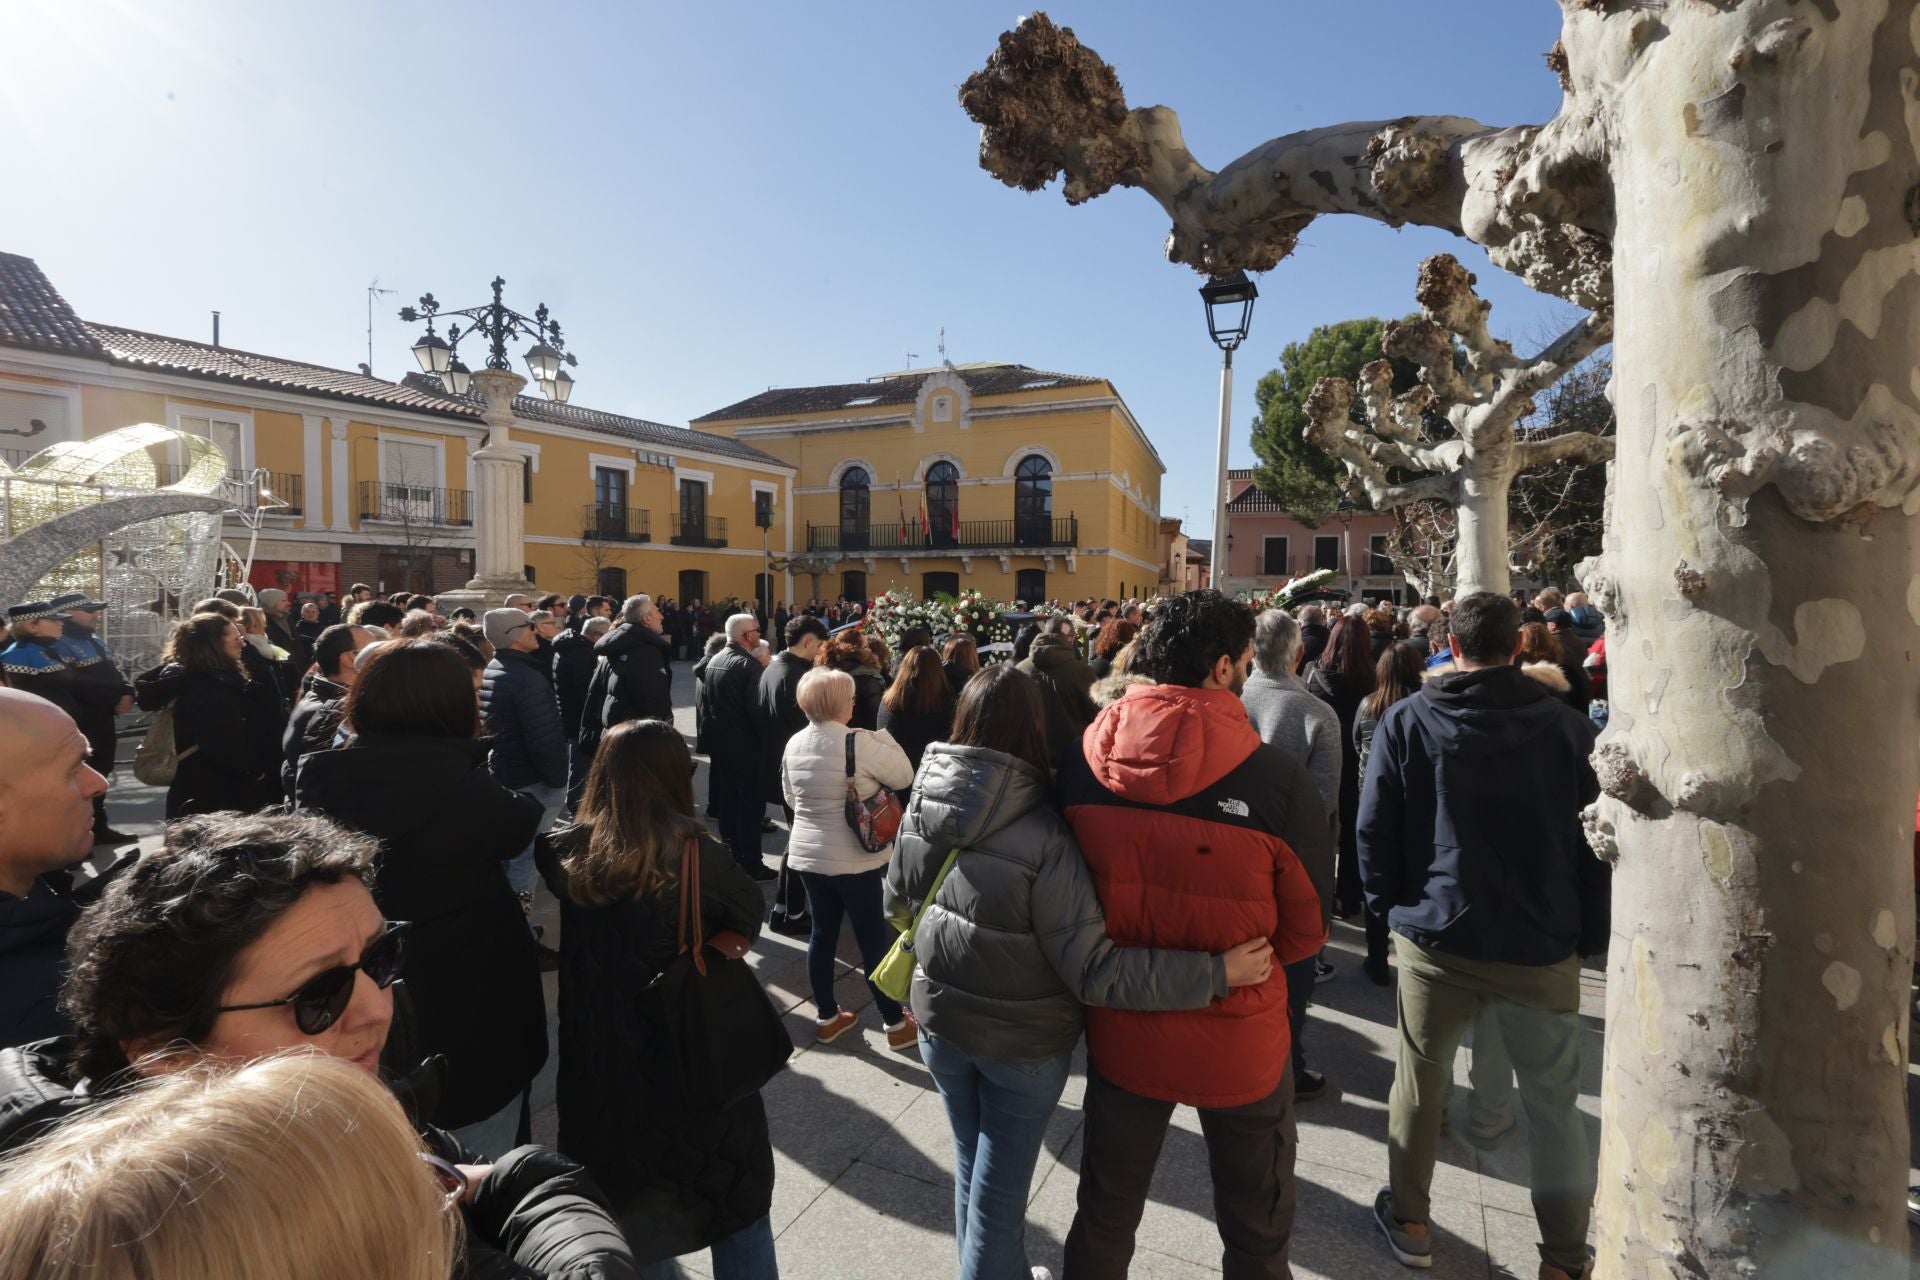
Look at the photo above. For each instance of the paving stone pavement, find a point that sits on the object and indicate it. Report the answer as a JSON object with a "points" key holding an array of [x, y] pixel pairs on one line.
{"points": [[863, 1156]]}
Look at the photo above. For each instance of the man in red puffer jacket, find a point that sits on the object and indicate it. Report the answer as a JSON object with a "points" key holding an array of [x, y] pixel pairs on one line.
{"points": [[1199, 836]]}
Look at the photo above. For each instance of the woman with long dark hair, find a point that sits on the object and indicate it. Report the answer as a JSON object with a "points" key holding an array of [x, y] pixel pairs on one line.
{"points": [[414, 776], [1341, 676], [917, 708], [961, 660], [1397, 675], [1011, 947], [226, 727], [679, 1180]]}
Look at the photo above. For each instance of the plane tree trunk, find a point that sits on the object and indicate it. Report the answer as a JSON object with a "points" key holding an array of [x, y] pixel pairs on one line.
{"points": [[1740, 182]]}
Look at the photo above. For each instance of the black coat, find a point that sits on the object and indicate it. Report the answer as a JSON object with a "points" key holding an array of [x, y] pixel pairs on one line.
{"points": [[98, 687], [572, 676], [523, 721], [639, 677], [869, 686], [312, 727], [780, 714], [232, 726], [915, 731], [678, 1180], [536, 1213], [733, 724], [1313, 642], [957, 676], [1066, 689], [445, 827]]}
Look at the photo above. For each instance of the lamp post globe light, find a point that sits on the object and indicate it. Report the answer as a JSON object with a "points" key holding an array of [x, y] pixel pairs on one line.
{"points": [[1229, 304], [498, 517]]}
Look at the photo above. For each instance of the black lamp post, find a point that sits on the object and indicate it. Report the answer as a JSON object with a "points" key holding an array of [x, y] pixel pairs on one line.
{"points": [[1229, 303], [498, 324]]}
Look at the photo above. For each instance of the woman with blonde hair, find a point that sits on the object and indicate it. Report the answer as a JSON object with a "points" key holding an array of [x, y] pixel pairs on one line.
{"points": [[822, 762], [298, 1166], [681, 1179]]}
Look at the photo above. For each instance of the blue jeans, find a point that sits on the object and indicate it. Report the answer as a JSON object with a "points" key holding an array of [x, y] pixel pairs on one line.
{"points": [[856, 899], [521, 873], [747, 1254], [998, 1112], [737, 799]]}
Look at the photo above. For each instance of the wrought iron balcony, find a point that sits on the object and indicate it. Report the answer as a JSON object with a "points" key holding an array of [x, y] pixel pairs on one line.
{"points": [[973, 535], [408, 504], [615, 524], [691, 531]]}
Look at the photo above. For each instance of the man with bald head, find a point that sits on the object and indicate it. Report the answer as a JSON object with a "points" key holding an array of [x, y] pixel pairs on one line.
{"points": [[46, 825]]}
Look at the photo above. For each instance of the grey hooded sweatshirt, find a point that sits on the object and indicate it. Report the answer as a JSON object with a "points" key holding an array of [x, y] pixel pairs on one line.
{"points": [[1016, 941]]}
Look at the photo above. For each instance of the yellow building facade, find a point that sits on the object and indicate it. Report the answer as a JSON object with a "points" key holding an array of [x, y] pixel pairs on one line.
{"points": [[1020, 483], [371, 480]]}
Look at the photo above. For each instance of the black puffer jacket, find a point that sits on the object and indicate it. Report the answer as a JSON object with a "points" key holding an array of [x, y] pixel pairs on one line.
{"points": [[536, 1215], [916, 730], [1016, 940], [311, 727], [523, 721], [780, 714], [678, 1180], [869, 686], [444, 828], [639, 679]]}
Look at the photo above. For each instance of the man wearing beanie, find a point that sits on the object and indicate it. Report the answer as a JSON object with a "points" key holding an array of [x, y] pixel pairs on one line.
{"points": [[523, 720], [273, 602]]}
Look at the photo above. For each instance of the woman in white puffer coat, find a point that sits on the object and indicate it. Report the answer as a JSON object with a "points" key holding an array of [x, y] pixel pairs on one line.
{"points": [[843, 880]]}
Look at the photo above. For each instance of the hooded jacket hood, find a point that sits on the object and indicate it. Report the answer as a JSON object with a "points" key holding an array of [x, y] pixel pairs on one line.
{"points": [[1164, 742], [1051, 651], [1548, 674], [966, 794], [1488, 711]]}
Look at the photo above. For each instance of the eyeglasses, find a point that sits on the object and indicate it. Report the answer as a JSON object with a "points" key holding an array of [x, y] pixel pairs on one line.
{"points": [[322, 998], [453, 1183]]}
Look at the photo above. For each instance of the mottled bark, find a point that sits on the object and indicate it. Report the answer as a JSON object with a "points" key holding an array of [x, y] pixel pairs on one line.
{"points": [[1394, 459], [1755, 170]]}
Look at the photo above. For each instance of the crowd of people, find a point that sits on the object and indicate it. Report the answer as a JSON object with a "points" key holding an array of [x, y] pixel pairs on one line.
{"points": [[1137, 830]]}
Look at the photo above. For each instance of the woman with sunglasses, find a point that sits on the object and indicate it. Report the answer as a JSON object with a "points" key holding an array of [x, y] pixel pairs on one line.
{"points": [[415, 778], [682, 1181], [184, 1177], [249, 935]]}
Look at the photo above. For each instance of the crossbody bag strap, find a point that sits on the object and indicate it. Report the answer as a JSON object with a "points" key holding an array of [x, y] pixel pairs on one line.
{"points": [[690, 876], [849, 741]]}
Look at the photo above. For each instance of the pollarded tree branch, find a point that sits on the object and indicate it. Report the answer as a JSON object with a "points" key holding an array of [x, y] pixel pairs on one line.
{"points": [[1537, 197], [1559, 356], [1582, 447]]}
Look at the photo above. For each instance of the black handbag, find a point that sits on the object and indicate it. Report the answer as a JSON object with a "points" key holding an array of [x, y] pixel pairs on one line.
{"points": [[724, 1038]]}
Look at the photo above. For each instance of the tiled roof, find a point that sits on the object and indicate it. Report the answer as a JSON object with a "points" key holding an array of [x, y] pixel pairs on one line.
{"points": [[134, 348], [658, 434], [34, 315], [1199, 548], [984, 380]]}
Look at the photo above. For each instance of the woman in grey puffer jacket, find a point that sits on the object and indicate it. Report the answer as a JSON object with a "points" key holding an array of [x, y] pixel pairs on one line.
{"points": [[1010, 948]]}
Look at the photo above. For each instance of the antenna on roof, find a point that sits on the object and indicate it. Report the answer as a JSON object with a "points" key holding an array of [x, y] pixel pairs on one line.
{"points": [[911, 357], [216, 328], [372, 289]]}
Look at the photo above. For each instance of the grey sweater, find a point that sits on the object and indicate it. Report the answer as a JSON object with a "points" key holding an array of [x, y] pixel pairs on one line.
{"points": [[1287, 715], [1016, 940]]}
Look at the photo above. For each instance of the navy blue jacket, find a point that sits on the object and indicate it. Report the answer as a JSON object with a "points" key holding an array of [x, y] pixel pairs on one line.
{"points": [[523, 722], [1469, 831]]}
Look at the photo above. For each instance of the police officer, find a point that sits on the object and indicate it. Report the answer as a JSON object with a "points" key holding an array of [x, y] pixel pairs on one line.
{"points": [[101, 691], [30, 662]]}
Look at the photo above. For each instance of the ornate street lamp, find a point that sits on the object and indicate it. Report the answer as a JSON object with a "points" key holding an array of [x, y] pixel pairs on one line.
{"points": [[1229, 303], [499, 324]]}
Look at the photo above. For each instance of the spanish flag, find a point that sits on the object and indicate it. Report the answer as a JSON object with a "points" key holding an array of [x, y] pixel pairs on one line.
{"points": [[900, 496], [926, 529]]}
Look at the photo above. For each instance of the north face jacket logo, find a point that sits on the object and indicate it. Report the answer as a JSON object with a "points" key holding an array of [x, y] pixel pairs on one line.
{"points": [[1235, 808]]}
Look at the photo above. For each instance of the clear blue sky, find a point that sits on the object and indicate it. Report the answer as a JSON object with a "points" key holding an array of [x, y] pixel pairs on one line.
{"points": [[713, 198]]}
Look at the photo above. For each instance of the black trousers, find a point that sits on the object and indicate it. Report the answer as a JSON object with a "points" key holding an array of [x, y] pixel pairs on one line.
{"points": [[1250, 1151], [1299, 1000]]}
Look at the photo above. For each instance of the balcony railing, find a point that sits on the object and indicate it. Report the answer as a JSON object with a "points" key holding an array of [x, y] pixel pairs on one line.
{"points": [[691, 531], [973, 535], [615, 524], [407, 504]]}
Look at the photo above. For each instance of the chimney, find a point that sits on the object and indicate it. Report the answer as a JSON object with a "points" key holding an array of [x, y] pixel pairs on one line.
{"points": [[216, 328]]}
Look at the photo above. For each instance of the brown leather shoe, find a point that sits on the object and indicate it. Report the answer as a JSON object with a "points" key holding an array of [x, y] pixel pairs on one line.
{"points": [[905, 1034]]}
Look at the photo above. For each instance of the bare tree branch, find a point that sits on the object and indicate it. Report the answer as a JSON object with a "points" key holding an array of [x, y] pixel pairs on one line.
{"points": [[1575, 446]]}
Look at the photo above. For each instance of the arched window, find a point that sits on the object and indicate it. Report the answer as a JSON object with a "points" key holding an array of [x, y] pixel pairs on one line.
{"points": [[1033, 501], [943, 504], [855, 484]]}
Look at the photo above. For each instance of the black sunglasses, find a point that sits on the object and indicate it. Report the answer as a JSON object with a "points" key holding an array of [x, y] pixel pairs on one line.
{"points": [[322, 998]]}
